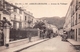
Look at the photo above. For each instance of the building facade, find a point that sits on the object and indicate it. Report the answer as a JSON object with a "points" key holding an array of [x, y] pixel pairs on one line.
{"points": [[75, 18], [16, 16], [67, 25], [72, 21], [28, 21]]}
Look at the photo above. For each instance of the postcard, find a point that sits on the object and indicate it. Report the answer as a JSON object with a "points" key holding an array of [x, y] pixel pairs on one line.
{"points": [[39, 25]]}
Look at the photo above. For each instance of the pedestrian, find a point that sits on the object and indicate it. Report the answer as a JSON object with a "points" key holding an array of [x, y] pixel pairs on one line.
{"points": [[46, 34], [41, 33], [29, 37]]}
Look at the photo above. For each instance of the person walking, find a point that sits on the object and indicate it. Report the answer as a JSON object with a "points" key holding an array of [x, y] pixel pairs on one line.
{"points": [[41, 33], [29, 35]]}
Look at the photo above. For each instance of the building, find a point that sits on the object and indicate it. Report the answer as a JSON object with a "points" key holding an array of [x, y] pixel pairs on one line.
{"points": [[28, 21], [4, 13], [18, 17], [4, 10], [54, 28], [13, 14], [67, 25], [61, 32], [72, 21], [1, 8], [75, 19]]}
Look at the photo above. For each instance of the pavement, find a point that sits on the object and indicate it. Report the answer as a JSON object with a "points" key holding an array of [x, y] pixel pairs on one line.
{"points": [[73, 42], [33, 42]]}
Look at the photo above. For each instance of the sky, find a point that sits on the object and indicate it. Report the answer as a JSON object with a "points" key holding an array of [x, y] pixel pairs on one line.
{"points": [[44, 8]]}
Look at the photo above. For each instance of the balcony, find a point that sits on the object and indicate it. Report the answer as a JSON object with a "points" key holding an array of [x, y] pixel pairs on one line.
{"points": [[15, 19], [6, 12]]}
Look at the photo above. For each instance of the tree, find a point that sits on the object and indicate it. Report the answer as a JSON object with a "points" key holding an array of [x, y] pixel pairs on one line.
{"points": [[40, 25], [5, 21]]}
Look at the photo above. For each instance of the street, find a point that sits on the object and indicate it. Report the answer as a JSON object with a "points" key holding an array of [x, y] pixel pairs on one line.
{"points": [[51, 45]]}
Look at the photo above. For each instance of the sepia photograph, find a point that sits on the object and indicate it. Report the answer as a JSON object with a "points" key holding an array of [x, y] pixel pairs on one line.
{"points": [[39, 25]]}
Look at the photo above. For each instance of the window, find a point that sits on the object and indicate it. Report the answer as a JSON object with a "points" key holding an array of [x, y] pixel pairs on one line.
{"points": [[8, 7], [76, 20], [15, 10], [79, 3], [20, 18], [4, 6], [75, 8], [0, 16], [72, 21], [14, 17], [20, 25], [79, 31], [20, 11], [76, 34], [0, 3], [79, 16], [15, 25], [25, 18]]}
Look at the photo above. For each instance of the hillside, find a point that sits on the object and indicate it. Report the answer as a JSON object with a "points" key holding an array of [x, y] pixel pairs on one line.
{"points": [[57, 21]]}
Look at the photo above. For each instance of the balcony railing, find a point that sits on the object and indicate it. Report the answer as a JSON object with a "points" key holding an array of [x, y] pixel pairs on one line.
{"points": [[15, 19]]}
